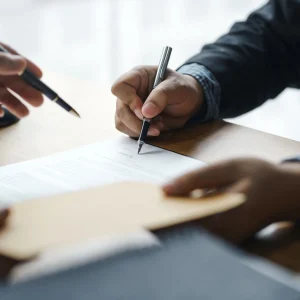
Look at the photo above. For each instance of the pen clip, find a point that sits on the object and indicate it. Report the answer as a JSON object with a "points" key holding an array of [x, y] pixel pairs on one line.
{"points": [[164, 61], [162, 66]]}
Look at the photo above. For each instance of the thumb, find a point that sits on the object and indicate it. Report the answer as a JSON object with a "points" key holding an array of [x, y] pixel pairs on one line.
{"points": [[157, 100], [11, 64]]}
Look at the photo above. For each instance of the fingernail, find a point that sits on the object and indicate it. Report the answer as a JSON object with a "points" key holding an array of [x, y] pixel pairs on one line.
{"points": [[138, 113], [149, 110], [154, 132]]}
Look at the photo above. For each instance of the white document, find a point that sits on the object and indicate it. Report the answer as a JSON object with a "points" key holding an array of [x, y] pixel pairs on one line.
{"points": [[89, 166]]}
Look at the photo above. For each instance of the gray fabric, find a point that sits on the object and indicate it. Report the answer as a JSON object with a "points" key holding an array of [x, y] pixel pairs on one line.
{"points": [[257, 59], [188, 266]]}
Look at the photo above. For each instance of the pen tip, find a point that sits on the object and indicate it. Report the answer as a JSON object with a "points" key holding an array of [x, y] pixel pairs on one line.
{"points": [[139, 150], [74, 113]]}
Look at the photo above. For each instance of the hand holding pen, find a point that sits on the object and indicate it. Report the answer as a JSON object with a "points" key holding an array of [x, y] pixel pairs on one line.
{"points": [[11, 64], [170, 105], [23, 77]]}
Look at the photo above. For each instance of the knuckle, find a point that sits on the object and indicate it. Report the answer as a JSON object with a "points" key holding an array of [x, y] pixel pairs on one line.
{"points": [[25, 112], [234, 166], [163, 93], [4, 60], [21, 111], [118, 124], [251, 165], [248, 166], [114, 88], [132, 104], [179, 82], [143, 72], [138, 69], [121, 112], [21, 108], [139, 72]]}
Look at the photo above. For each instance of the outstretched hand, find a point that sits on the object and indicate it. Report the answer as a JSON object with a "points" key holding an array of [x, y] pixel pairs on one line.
{"points": [[272, 194]]}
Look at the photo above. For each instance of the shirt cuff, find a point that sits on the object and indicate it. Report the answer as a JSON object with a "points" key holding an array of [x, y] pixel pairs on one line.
{"points": [[292, 160], [211, 90]]}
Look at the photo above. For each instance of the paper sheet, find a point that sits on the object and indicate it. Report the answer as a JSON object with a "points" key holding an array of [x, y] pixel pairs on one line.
{"points": [[125, 203], [89, 166]]}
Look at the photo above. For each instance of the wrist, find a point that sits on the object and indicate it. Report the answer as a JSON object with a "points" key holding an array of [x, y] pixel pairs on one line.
{"points": [[210, 91], [198, 94]]}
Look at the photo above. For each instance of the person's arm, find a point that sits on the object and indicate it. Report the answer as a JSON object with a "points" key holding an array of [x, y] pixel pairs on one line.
{"points": [[272, 194], [257, 59]]}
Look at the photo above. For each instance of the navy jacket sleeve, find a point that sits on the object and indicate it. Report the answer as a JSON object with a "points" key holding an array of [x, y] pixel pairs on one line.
{"points": [[257, 59]]}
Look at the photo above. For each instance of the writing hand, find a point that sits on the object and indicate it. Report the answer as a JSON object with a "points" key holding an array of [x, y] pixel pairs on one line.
{"points": [[172, 103], [272, 194]]}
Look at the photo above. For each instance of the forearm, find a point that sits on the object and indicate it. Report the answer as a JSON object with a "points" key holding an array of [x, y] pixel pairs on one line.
{"points": [[257, 59]]}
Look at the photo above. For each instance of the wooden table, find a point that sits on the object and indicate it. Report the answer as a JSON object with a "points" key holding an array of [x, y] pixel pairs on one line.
{"points": [[49, 129]]}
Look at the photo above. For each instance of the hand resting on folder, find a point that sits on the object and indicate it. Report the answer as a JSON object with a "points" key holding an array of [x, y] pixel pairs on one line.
{"points": [[272, 194]]}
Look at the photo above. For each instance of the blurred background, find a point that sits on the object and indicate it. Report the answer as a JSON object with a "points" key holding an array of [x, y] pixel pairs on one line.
{"points": [[98, 40]]}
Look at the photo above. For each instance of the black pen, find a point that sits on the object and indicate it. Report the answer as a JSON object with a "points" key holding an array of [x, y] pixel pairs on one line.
{"points": [[37, 84], [159, 77]]}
